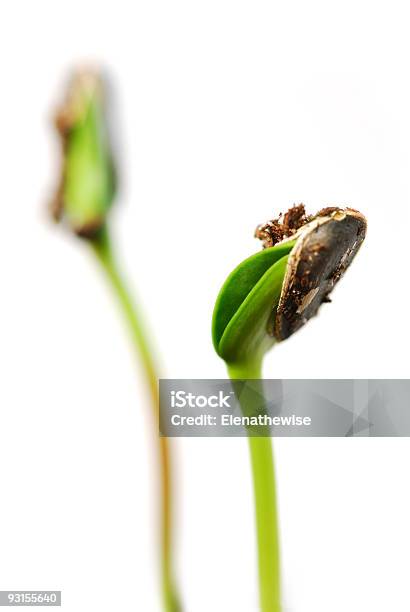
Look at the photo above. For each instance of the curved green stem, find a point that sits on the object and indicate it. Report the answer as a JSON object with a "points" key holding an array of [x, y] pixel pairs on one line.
{"points": [[264, 487], [103, 251]]}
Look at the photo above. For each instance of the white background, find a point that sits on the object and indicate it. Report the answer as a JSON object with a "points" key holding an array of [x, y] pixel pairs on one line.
{"points": [[229, 112]]}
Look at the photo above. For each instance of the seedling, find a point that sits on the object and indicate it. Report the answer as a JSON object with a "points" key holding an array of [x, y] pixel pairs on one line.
{"points": [[266, 299], [83, 201]]}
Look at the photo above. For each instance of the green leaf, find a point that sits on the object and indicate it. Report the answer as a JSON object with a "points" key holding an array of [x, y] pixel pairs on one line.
{"points": [[245, 305]]}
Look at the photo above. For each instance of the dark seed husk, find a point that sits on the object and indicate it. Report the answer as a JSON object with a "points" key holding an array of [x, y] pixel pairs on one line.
{"points": [[324, 249]]}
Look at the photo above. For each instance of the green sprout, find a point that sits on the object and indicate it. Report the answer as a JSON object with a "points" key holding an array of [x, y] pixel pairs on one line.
{"points": [[267, 298], [88, 183], [83, 201]]}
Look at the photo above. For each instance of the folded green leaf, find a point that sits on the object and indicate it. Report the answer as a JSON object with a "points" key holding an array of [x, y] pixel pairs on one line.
{"points": [[246, 302]]}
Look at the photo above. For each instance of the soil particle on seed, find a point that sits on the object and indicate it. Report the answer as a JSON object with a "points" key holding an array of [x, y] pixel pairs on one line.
{"points": [[284, 226], [328, 210], [295, 218]]}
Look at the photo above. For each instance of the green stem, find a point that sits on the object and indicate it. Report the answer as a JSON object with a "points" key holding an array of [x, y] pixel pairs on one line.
{"points": [[104, 253], [264, 487]]}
